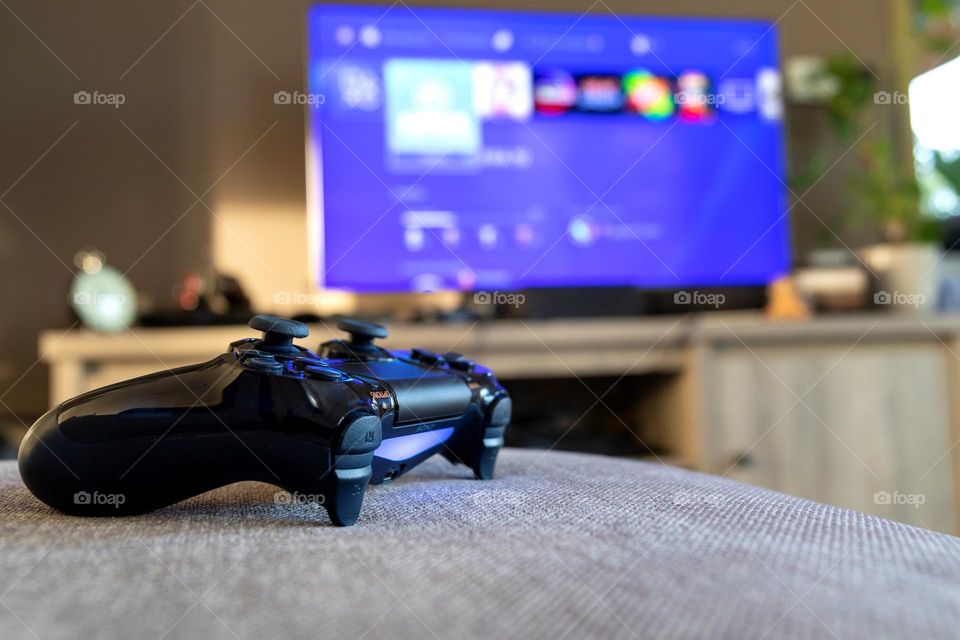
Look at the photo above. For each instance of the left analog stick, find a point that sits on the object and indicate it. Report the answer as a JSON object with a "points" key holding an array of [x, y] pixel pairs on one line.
{"points": [[278, 333]]}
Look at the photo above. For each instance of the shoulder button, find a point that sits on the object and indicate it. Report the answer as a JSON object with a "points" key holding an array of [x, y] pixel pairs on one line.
{"points": [[363, 435], [500, 412]]}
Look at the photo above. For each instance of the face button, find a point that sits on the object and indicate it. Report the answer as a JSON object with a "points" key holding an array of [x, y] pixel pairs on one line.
{"points": [[264, 365], [306, 361], [323, 372]]}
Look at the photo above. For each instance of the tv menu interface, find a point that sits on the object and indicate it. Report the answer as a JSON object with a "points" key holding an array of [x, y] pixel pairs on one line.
{"points": [[495, 150]]}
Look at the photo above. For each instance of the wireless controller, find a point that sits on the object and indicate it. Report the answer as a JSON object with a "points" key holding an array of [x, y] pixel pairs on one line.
{"points": [[321, 424]]}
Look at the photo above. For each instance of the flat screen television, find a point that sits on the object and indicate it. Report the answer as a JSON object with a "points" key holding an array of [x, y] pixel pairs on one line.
{"points": [[466, 149]]}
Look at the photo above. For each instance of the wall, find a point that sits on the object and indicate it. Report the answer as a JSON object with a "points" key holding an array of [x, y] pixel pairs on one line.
{"points": [[199, 120]]}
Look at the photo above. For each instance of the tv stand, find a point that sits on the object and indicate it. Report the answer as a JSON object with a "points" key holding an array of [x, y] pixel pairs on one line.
{"points": [[621, 302]]}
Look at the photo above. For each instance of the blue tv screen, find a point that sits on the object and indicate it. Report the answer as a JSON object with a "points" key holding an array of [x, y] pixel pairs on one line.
{"points": [[497, 150]]}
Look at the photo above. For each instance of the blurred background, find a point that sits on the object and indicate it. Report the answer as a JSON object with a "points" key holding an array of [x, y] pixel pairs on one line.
{"points": [[711, 235]]}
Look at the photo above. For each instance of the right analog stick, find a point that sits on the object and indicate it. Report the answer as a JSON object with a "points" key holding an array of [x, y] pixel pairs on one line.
{"points": [[362, 334]]}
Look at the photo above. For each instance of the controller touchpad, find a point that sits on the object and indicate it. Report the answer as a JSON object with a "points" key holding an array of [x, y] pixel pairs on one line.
{"points": [[421, 394]]}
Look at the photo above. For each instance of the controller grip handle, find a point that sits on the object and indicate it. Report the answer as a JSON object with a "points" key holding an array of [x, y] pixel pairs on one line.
{"points": [[126, 476], [123, 464]]}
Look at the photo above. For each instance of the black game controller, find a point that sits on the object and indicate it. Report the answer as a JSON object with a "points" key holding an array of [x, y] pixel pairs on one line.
{"points": [[320, 425]]}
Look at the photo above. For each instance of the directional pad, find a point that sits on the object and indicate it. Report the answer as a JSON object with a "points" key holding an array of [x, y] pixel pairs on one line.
{"points": [[265, 364]]}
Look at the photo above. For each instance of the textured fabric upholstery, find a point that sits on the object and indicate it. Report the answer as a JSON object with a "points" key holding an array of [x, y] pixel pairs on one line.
{"points": [[559, 545]]}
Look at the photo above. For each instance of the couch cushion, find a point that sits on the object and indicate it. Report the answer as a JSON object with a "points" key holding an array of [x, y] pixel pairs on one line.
{"points": [[558, 545]]}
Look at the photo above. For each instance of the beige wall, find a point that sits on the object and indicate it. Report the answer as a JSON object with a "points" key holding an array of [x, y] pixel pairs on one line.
{"points": [[198, 99]]}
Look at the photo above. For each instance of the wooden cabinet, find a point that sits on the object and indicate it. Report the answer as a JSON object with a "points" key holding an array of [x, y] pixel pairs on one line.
{"points": [[837, 426], [861, 416]]}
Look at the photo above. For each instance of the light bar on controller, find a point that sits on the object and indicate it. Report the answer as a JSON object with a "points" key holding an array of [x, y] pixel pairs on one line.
{"points": [[406, 447]]}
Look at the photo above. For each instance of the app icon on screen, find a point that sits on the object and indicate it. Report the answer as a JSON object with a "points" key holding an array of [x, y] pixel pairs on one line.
{"points": [[581, 231], [344, 35], [524, 234], [429, 107], [359, 88], [599, 94], [413, 238], [502, 90], [649, 95], [502, 40], [738, 95], [451, 237], [770, 94], [370, 36], [487, 235], [466, 278], [695, 98], [554, 91]]}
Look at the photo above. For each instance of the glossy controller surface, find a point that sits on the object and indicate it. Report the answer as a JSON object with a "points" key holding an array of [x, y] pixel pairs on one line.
{"points": [[321, 425]]}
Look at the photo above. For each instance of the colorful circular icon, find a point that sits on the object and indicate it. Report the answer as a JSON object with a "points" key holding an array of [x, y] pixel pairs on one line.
{"points": [[649, 95]]}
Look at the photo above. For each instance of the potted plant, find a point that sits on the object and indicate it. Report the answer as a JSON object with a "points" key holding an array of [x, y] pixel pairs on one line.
{"points": [[884, 204]]}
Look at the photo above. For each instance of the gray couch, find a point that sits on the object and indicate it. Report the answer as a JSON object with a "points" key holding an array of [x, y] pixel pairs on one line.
{"points": [[559, 545]]}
